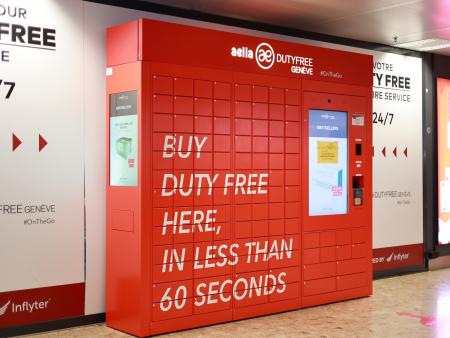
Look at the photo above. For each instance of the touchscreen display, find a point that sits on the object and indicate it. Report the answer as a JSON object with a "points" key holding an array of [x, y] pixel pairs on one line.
{"points": [[328, 158]]}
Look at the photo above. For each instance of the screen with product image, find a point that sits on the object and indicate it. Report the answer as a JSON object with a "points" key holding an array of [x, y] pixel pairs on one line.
{"points": [[328, 158], [123, 139]]}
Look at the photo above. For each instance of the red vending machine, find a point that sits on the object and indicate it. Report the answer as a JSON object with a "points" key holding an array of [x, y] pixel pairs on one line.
{"points": [[239, 176]]}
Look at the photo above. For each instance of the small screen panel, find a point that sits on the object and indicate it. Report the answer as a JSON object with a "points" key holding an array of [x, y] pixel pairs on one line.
{"points": [[123, 139], [328, 162]]}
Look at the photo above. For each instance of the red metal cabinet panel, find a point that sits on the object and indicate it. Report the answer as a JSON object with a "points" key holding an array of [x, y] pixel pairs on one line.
{"points": [[204, 161], [287, 291], [163, 104], [242, 92], [343, 252], [260, 161], [292, 194], [260, 94], [319, 286], [260, 110], [243, 110], [276, 112], [243, 229], [260, 228], [276, 178], [292, 96], [276, 144], [292, 161], [170, 289], [276, 161], [183, 105], [311, 256], [292, 113], [276, 194], [162, 122], [203, 88], [183, 124], [221, 108], [359, 250], [260, 211], [292, 129], [243, 160], [243, 212], [260, 144], [260, 127], [162, 85], [292, 145], [328, 254], [222, 90], [327, 238], [359, 235], [343, 237], [320, 270], [276, 210], [276, 128], [222, 143], [276, 95], [159, 314], [203, 107], [311, 240], [351, 266], [352, 281], [203, 125], [222, 161], [243, 144], [221, 125], [292, 226], [243, 126], [183, 87], [292, 177], [276, 226]]}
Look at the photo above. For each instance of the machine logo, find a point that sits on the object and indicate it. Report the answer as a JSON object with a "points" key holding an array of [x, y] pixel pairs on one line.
{"points": [[4, 308], [265, 56]]}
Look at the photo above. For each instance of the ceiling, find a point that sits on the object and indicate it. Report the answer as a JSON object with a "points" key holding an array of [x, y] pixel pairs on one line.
{"points": [[367, 20]]}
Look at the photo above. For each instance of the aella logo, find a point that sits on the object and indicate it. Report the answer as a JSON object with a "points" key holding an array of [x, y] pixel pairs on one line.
{"points": [[265, 56], [4, 308]]}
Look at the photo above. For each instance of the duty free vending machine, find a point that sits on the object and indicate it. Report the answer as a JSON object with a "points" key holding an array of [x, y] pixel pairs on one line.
{"points": [[239, 176]]}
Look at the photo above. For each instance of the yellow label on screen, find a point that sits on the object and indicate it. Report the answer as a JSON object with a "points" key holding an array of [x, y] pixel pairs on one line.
{"points": [[327, 152]]}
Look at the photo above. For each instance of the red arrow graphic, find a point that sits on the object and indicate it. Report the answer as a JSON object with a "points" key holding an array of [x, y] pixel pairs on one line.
{"points": [[384, 151], [42, 142], [406, 152], [16, 142], [395, 152]]}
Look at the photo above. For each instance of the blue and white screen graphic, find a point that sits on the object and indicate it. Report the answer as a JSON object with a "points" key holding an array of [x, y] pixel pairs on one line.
{"points": [[328, 158]]}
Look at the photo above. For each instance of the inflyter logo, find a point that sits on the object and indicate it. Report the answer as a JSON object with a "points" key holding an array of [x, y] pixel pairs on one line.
{"points": [[4, 308], [25, 306]]}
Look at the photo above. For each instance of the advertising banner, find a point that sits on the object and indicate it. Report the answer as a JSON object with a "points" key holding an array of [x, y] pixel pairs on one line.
{"points": [[397, 161], [42, 156], [443, 124]]}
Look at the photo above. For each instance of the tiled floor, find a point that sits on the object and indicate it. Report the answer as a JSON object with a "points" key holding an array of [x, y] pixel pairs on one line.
{"points": [[416, 305]]}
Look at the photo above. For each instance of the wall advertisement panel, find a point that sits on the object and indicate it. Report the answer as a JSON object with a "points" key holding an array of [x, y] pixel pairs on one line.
{"points": [[443, 123], [42, 150], [397, 165]]}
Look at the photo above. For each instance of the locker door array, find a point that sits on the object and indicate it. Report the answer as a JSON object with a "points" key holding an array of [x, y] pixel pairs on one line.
{"points": [[191, 217], [336, 248], [267, 142], [230, 241]]}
